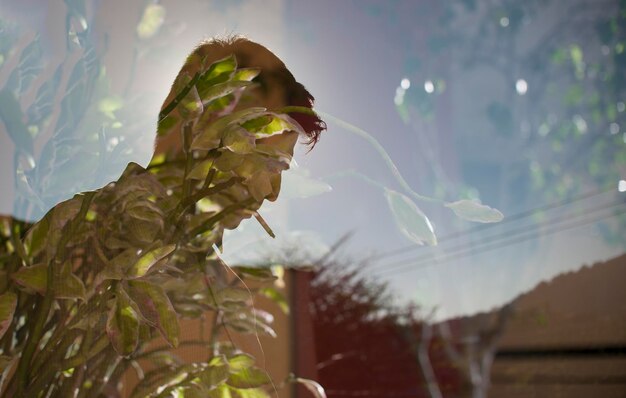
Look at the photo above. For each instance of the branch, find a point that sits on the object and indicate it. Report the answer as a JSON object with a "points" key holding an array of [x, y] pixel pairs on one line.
{"points": [[179, 97]]}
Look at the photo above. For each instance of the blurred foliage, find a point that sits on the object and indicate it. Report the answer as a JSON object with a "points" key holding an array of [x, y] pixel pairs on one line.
{"points": [[87, 288], [554, 92], [67, 112]]}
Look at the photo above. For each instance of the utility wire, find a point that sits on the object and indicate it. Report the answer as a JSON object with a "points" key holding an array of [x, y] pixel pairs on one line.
{"points": [[508, 234], [508, 219], [488, 247]]}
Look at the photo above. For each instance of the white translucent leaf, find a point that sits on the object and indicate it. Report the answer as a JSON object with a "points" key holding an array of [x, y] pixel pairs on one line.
{"points": [[410, 219], [299, 185], [475, 211]]}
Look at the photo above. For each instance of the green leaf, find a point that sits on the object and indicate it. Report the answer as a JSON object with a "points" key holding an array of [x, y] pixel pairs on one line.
{"points": [[146, 210], [33, 278], [151, 21], [156, 307], [190, 106], [123, 325], [240, 362], [238, 140], [188, 392], [166, 124], [8, 302], [58, 218], [278, 146], [36, 237], [263, 274], [245, 320], [165, 377], [225, 391], [409, 218], [216, 373], [144, 232], [116, 268], [251, 377], [228, 161], [67, 285], [233, 295], [280, 123], [145, 262], [6, 364], [277, 297], [222, 66], [256, 124], [246, 74], [210, 136], [248, 393], [201, 170], [475, 211], [211, 93]]}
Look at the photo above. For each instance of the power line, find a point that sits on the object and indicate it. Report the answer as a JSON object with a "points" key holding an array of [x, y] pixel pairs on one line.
{"points": [[516, 231], [515, 217], [484, 248]]}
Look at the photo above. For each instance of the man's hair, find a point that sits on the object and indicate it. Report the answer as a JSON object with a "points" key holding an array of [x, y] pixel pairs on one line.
{"points": [[273, 75]]}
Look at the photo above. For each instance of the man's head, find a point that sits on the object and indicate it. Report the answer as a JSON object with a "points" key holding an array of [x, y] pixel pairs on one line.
{"points": [[236, 129], [275, 86]]}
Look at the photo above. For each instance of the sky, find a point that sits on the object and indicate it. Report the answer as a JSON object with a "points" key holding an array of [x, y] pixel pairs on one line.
{"points": [[361, 60]]}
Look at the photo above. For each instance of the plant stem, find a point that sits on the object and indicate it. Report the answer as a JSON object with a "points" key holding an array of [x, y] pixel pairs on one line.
{"points": [[34, 337], [228, 209], [168, 348], [383, 153], [179, 97]]}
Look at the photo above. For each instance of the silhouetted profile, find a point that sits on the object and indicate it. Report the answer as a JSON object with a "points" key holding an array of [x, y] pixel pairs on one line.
{"points": [[106, 272], [276, 87]]}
